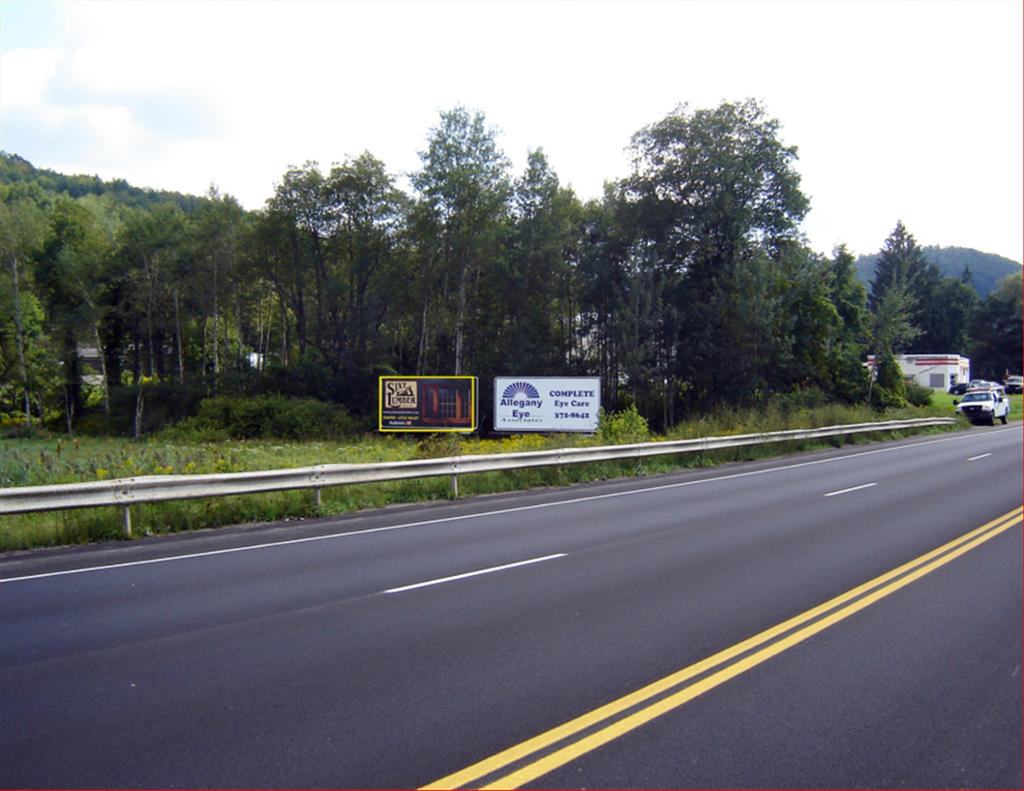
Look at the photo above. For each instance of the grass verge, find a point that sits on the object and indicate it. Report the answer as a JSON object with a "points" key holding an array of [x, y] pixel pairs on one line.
{"points": [[54, 460]]}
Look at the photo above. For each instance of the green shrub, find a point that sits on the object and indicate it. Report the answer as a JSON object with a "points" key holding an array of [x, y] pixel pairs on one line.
{"points": [[918, 395], [883, 398], [438, 446], [622, 428], [849, 381], [267, 417], [890, 391], [195, 429], [163, 403], [804, 398], [22, 430]]}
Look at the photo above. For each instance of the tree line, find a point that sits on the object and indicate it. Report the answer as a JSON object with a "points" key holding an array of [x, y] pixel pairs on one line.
{"points": [[687, 285]]}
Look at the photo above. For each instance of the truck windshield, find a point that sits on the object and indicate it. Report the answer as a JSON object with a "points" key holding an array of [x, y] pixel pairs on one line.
{"points": [[978, 397]]}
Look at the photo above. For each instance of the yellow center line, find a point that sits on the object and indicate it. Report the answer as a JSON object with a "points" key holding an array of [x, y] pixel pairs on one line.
{"points": [[527, 748], [645, 715]]}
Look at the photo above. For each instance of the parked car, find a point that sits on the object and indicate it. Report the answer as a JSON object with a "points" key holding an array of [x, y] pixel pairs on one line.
{"points": [[1014, 384], [984, 405], [958, 389]]}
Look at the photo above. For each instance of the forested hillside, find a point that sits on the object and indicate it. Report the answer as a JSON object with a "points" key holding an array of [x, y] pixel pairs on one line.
{"points": [[23, 180], [686, 286], [985, 269]]}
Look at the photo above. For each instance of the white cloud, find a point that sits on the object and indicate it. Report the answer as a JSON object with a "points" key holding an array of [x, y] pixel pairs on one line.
{"points": [[25, 74]]}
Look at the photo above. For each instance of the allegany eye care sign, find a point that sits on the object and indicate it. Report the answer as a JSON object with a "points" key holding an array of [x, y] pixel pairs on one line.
{"points": [[546, 403]]}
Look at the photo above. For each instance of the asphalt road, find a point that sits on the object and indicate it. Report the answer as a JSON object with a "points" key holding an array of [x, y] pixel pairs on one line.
{"points": [[663, 632]]}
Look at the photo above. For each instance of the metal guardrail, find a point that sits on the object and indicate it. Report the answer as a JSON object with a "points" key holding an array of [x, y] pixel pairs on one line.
{"points": [[125, 492]]}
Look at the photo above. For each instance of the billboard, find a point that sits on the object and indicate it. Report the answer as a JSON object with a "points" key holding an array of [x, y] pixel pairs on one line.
{"points": [[427, 403], [546, 403]]}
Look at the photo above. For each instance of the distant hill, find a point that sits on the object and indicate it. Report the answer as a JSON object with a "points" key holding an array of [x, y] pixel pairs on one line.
{"points": [[987, 269], [24, 179]]}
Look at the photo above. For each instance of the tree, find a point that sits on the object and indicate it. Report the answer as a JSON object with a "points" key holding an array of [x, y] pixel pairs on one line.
{"points": [[847, 378], [22, 230], [156, 276], [996, 331], [464, 188], [893, 329], [606, 240], [807, 327], [216, 227], [68, 273], [532, 288], [902, 265], [717, 194], [273, 260], [301, 199], [948, 319], [368, 273]]}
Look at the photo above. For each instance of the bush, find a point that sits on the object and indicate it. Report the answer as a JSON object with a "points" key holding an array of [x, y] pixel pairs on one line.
{"points": [[883, 398], [621, 428], [849, 381], [918, 395], [438, 446], [163, 403], [19, 429], [193, 430], [268, 417], [797, 400]]}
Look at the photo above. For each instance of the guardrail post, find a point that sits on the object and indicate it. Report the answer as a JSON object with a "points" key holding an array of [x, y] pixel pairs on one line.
{"points": [[126, 520], [319, 501], [455, 487]]}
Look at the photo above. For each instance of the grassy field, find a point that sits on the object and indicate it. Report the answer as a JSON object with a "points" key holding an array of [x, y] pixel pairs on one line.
{"points": [[945, 401], [53, 460]]}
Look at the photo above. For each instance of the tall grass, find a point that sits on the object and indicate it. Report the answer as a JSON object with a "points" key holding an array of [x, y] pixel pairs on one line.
{"points": [[52, 460]]}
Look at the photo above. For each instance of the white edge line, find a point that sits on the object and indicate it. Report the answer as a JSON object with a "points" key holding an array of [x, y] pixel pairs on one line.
{"points": [[851, 489], [490, 570], [982, 456], [571, 501]]}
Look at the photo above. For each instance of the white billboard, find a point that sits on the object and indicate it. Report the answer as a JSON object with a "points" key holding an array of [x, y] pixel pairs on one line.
{"points": [[546, 403]]}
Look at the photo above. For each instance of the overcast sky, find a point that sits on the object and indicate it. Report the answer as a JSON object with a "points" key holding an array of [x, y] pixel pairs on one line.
{"points": [[906, 111]]}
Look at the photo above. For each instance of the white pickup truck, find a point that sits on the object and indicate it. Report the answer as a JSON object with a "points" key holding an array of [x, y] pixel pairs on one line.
{"points": [[984, 405]]}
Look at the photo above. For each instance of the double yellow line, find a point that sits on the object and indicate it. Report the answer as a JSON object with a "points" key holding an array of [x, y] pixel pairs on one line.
{"points": [[585, 733]]}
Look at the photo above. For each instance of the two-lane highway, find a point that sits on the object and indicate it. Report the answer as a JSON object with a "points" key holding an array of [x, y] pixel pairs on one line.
{"points": [[841, 618]]}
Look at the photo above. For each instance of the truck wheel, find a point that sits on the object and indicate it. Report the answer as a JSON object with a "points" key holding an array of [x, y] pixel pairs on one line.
{"points": [[1003, 418], [992, 420]]}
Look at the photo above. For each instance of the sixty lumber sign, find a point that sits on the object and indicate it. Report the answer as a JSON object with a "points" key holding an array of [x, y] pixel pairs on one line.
{"points": [[427, 403], [546, 403]]}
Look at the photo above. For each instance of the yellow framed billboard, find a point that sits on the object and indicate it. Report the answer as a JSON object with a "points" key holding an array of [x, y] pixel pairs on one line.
{"points": [[427, 403]]}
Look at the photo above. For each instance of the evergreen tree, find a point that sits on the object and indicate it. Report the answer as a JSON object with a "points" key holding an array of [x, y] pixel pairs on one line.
{"points": [[902, 267], [901, 263]]}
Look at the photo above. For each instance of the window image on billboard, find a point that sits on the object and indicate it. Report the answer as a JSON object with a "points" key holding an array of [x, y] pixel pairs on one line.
{"points": [[546, 403], [427, 403]]}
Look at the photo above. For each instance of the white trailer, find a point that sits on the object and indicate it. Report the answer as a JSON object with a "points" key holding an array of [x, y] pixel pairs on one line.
{"points": [[937, 371]]}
